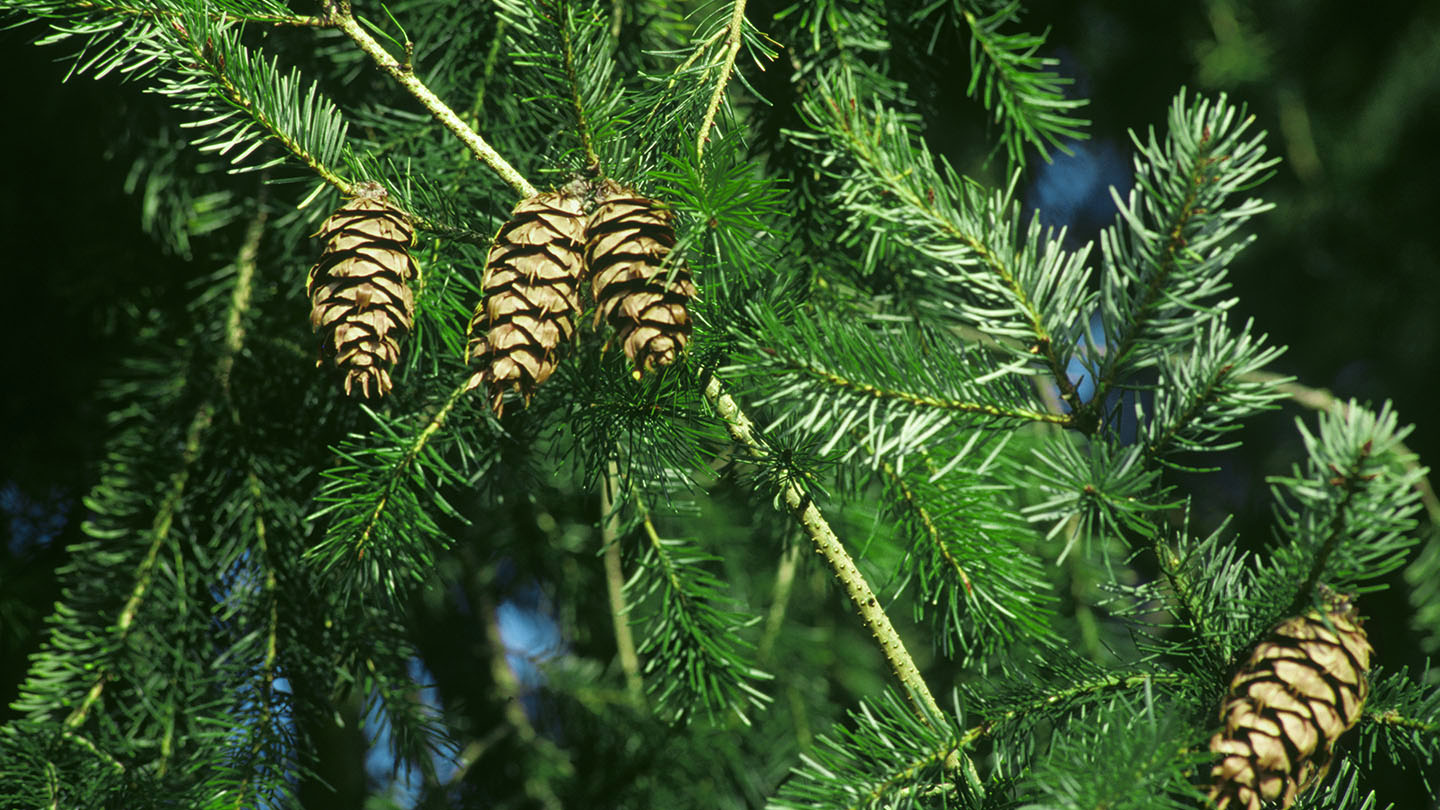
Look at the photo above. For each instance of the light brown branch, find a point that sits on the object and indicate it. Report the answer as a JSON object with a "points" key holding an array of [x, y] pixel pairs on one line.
{"points": [[339, 13], [732, 49], [828, 545]]}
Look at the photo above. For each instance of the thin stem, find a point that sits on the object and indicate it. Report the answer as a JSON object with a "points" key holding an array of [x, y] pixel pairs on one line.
{"points": [[492, 56], [732, 49], [338, 11], [413, 452], [1046, 701], [1334, 532], [615, 584], [675, 76], [912, 501], [572, 77], [1392, 717], [245, 266], [828, 545], [925, 401]]}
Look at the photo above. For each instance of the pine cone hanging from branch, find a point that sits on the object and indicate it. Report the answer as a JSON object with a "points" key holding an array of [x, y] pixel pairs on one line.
{"points": [[1304, 686], [628, 238], [359, 290], [531, 297]]}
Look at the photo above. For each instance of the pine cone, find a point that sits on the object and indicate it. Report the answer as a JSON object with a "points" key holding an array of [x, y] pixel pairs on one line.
{"points": [[359, 290], [627, 240], [531, 276], [1303, 687]]}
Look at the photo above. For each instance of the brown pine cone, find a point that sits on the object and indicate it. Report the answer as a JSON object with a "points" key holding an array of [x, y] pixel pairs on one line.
{"points": [[531, 297], [1303, 686], [359, 290], [628, 238]]}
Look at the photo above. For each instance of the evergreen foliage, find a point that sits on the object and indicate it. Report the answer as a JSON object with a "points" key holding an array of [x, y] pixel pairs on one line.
{"points": [[993, 438]]}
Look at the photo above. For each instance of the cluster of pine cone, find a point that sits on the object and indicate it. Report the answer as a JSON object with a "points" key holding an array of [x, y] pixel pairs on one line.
{"points": [[531, 287], [361, 300], [1303, 686]]}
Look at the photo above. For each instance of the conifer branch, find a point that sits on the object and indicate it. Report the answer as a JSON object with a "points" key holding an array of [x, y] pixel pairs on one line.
{"points": [[126, 10], [1154, 294], [1320, 399], [200, 421], [338, 11], [930, 203], [311, 161], [1191, 608], [204, 67], [732, 49], [1349, 513], [1046, 702], [1166, 257], [212, 53], [693, 649], [1007, 76], [1349, 481], [1396, 719], [245, 268], [402, 465], [923, 515], [690, 60], [270, 591], [803, 509], [920, 400]]}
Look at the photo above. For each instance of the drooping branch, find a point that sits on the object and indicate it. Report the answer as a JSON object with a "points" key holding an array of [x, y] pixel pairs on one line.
{"points": [[615, 584], [200, 422]]}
